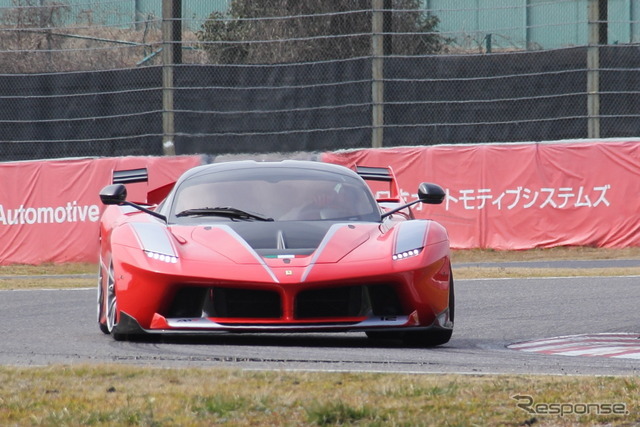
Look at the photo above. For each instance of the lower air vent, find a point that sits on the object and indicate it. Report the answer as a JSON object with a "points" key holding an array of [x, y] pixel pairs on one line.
{"points": [[348, 301], [384, 301], [242, 303], [187, 303], [225, 302]]}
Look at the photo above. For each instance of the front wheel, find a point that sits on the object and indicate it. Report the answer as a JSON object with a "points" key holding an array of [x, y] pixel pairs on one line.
{"points": [[101, 302], [434, 337], [113, 314], [112, 302]]}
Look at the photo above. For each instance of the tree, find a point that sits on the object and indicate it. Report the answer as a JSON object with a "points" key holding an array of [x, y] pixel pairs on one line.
{"points": [[28, 39], [272, 31]]}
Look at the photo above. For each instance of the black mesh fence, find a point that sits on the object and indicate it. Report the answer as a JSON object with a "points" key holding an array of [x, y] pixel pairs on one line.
{"points": [[112, 78]]}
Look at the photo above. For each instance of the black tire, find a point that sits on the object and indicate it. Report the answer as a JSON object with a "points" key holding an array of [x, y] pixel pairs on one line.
{"points": [[119, 337], [435, 337], [103, 326], [452, 298]]}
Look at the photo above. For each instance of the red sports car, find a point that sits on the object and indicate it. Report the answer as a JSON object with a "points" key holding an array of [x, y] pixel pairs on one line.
{"points": [[291, 246]]}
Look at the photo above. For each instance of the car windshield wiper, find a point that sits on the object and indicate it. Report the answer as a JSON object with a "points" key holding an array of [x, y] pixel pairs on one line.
{"points": [[226, 211]]}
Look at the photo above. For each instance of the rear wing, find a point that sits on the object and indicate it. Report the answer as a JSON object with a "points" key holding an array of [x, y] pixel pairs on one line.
{"points": [[131, 176], [382, 182]]}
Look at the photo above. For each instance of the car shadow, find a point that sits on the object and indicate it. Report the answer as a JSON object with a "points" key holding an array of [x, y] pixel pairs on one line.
{"points": [[329, 340]]}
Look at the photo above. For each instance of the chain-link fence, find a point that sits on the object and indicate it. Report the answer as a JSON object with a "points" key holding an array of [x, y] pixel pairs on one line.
{"points": [[120, 77]]}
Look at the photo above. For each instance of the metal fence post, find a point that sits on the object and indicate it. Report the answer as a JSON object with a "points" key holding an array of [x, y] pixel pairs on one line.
{"points": [[527, 25], [168, 127], [377, 75], [634, 17], [593, 69]]}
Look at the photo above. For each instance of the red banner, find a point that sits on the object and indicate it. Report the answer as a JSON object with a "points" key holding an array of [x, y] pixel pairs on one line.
{"points": [[49, 210], [522, 196], [506, 196]]}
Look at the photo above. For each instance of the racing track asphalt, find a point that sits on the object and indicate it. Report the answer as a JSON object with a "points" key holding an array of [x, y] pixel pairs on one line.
{"points": [[40, 327]]}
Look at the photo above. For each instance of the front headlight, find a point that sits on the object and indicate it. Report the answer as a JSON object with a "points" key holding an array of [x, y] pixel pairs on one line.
{"points": [[171, 259], [406, 254]]}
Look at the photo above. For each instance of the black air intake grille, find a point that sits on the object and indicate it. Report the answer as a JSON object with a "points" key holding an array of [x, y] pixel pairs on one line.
{"points": [[226, 302], [347, 301], [239, 303]]}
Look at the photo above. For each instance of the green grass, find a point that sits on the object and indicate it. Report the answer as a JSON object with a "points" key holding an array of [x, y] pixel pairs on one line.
{"points": [[143, 396], [105, 395]]}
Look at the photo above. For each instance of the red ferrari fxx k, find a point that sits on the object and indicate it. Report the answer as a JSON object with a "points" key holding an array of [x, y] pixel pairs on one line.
{"points": [[290, 246]]}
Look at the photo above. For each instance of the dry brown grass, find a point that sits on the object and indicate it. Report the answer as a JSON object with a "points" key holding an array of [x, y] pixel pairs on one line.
{"points": [[551, 254], [48, 269], [128, 395]]}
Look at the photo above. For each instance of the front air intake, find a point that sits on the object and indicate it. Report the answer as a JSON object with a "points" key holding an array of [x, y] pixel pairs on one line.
{"points": [[195, 302], [347, 301], [242, 303]]}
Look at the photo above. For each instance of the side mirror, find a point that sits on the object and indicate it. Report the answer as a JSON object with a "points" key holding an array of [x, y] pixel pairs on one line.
{"points": [[114, 194], [430, 193]]}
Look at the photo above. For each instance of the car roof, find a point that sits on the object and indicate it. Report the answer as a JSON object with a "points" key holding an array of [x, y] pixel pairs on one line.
{"points": [[253, 165]]}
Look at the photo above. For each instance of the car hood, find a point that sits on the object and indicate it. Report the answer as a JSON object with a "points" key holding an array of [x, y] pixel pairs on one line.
{"points": [[250, 242]]}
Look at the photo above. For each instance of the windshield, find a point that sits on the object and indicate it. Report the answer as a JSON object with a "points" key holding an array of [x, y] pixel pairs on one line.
{"points": [[273, 194]]}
